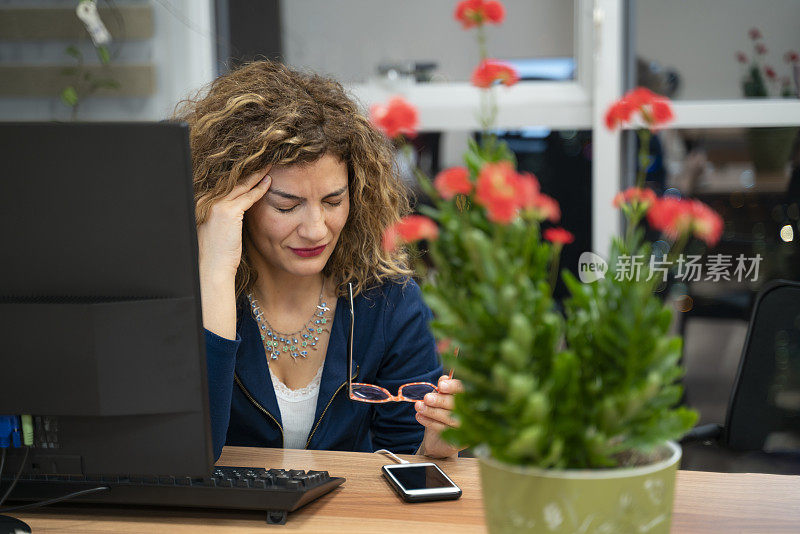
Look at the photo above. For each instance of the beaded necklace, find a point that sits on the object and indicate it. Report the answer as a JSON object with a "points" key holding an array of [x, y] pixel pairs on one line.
{"points": [[296, 343]]}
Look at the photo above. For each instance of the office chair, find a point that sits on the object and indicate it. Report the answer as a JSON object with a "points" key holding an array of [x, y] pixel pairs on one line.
{"points": [[763, 415]]}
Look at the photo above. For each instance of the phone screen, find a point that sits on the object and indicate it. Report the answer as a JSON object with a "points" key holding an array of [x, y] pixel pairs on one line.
{"points": [[420, 477]]}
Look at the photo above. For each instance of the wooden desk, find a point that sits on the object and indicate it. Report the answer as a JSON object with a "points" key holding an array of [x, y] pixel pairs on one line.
{"points": [[704, 503]]}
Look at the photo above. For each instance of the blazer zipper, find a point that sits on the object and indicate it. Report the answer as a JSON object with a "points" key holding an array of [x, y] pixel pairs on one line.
{"points": [[256, 403], [326, 407]]}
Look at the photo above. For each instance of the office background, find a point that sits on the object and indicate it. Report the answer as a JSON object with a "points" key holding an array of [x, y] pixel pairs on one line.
{"points": [[170, 48]]}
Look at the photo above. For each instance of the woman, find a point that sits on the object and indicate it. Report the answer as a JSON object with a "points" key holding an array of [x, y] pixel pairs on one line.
{"points": [[294, 188]]}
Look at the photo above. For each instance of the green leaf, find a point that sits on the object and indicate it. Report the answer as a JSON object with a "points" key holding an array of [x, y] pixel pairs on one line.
{"points": [[69, 96], [102, 53], [73, 51]]}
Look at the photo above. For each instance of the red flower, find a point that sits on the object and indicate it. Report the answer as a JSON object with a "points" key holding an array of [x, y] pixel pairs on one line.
{"points": [[706, 223], [491, 71], [472, 13], [670, 216], [409, 229], [675, 217], [761, 49], [754, 34], [559, 236], [770, 72], [662, 111], [503, 193], [635, 195], [619, 113], [791, 57], [545, 207], [640, 96], [527, 190], [453, 181], [496, 190], [495, 12], [741, 57], [395, 118], [654, 110]]}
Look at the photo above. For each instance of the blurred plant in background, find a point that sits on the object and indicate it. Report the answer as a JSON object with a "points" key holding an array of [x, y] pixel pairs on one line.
{"points": [[761, 80], [771, 147], [83, 81]]}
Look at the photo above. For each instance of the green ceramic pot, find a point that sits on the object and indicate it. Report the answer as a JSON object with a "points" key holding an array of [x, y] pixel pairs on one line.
{"points": [[528, 499], [770, 148]]}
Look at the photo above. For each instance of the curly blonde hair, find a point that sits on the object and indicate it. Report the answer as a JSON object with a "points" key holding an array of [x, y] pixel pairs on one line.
{"points": [[265, 114]]}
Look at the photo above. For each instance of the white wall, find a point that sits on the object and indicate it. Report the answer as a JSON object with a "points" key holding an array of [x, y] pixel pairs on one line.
{"points": [[349, 38], [699, 38], [182, 50]]}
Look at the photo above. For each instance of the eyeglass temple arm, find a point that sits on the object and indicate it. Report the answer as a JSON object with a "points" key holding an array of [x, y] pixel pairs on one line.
{"points": [[350, 344], [452, 369]]}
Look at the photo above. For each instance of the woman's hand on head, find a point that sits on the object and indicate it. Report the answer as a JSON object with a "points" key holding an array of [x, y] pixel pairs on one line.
{"points": [[220, 235], [434, 413]]}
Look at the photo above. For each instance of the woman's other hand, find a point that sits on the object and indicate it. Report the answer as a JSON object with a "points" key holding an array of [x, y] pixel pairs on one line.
{"points": [[219, 240], [434, 413]]}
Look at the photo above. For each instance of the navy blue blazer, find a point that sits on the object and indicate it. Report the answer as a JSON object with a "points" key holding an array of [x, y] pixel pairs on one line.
{"points": [[392, 346]]}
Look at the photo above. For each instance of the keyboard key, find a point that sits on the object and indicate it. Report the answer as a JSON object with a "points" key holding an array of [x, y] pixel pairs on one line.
{"points": [[183, 481], [259, 484], [167, 480], [224, 483], [296, 472], [277, 472], [242, 483]]}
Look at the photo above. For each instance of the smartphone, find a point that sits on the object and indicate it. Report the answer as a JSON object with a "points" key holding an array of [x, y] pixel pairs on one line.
{"points": [[420, 482]]}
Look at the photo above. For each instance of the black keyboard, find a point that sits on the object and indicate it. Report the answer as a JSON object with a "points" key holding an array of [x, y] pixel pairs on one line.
{"points": [[276, 491]]}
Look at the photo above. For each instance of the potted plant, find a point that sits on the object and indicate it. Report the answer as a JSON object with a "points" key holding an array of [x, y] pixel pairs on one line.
{"points": [[572, 410], [770, 148]]}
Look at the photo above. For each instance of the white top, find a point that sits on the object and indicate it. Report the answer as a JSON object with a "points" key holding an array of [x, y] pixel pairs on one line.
{"points": [[297, 408]]}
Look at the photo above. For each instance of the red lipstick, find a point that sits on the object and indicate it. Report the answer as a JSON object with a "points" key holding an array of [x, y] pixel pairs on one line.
{"points": [[308, 252]]}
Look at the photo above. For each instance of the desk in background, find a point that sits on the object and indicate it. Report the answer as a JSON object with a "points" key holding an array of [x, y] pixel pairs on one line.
{"points": [[705, 503]]}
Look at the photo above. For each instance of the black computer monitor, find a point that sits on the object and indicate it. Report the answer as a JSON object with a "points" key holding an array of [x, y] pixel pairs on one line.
{"points": [[100, 327]]}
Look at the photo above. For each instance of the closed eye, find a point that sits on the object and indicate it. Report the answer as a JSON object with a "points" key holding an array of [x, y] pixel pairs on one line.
{"points": [[288, 210]]}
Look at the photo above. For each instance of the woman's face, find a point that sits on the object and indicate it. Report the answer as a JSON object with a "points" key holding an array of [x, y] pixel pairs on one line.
{"points": [[296, 225]]}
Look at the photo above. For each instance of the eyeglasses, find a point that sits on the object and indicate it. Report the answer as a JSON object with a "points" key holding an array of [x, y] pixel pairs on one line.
{"points": [[411, 392]]}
